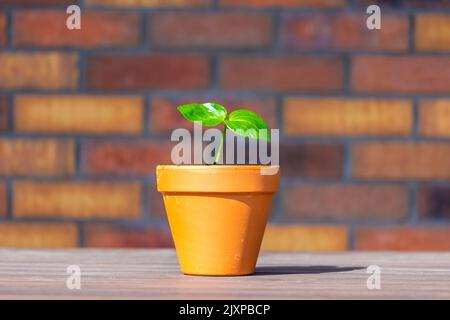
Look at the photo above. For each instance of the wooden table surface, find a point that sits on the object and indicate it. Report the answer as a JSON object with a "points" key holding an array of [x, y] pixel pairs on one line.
{"points": [[154, 274]]}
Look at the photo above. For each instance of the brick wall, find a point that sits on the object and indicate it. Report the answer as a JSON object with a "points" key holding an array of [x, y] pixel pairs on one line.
{"points": [[85, 116]]}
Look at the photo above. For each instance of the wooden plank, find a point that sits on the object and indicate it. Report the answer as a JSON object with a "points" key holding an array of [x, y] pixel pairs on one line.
{"points": [[154, 274]]}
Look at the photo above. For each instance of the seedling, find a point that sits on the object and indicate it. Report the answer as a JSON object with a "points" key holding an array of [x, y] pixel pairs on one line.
{"points": [[232, 200], [241, 122]]}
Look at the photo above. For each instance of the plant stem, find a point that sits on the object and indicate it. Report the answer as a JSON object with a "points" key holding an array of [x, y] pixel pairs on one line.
{"points": [[221, 144]]}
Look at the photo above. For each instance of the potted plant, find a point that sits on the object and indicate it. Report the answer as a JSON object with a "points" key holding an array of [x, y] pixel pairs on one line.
{"points": [[218, 213]]}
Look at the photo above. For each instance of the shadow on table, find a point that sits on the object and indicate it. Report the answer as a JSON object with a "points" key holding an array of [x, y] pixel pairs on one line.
{"points": [[277, 270]]}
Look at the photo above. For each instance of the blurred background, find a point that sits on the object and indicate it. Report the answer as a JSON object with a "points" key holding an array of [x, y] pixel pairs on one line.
{"points": [[86, 115]]}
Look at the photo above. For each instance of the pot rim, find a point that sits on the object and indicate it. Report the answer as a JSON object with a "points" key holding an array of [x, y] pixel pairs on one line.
{"points": [[218, 178], [215, 166]]}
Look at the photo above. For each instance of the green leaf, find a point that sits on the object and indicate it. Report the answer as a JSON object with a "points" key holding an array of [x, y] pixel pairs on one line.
{"points": [[242, 121], [209, 114]]}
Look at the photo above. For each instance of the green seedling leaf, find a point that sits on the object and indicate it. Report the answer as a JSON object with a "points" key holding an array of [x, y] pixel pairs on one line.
{"points": [[209, 114], [242, 121], [245, 123]]}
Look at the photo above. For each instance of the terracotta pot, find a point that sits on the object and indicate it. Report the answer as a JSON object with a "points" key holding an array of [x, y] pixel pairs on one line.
{"points": [[217, 215]]}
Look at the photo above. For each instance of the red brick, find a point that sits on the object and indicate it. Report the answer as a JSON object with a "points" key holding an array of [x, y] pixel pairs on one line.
{"points": [[344, 31], [121, 236], [403, 238], [38, 70], [3, 35], [345, 202], [425, 161], [287, 73], [311, 160], [164, 116], [284, 3], [75, 199], [345, 117], [224, 29], [404, 4], [405, 74], [98, 29], [3, 198], [432, 32], [4, 125], [37, 157], [305, 238], [137, 157], [38, 235], [38, 2], [151, 3], [434, 202], [153, 71], [434, 118], [92, 114]]}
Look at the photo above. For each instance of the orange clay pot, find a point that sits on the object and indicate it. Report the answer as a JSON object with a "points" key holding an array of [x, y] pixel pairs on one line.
{"points": [[217, 215]]}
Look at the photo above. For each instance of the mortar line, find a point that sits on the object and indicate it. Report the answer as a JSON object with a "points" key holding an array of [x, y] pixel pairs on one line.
{"points": [[145, 41], [351, 232], [10, 17], [81, 227], [412, 33], [9, 199], [413, 203], [416, 120], [147, 115], [277, 26], [347, 161]]}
